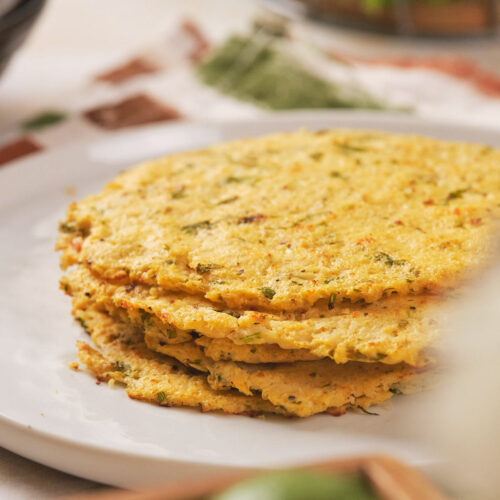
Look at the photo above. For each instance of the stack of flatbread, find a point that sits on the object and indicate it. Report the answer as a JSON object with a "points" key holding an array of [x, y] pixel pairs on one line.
{"points": [[295, 273]]}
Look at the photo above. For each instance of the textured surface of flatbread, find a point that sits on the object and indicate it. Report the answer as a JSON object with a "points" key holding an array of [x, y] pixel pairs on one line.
{"points": [[395, 329], [151, 377], [226, 350], [282, 221], [302, 388], [305, 388]]}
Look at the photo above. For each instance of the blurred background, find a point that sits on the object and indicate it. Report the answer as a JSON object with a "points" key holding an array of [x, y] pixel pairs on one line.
{"points": [[89, 65], [78, 69]]}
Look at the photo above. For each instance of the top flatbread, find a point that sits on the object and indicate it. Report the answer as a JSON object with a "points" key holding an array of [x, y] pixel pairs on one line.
{"points": [[282, 221]]}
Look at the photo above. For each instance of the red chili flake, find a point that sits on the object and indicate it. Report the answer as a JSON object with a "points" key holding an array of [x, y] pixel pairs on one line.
{"points": [[399, 223], [258, 317], [429, 202], [476, 222], [368, 239], [97, 382], [76, 243], [251, 218]]}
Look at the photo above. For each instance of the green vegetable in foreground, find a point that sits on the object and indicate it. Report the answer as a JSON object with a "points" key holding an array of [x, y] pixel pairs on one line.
{"points": [[299, 485]]}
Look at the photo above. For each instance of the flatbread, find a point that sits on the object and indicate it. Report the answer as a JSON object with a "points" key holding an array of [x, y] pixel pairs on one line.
{"points": [[302, 388], [285, 220], [151, 377], [393, 330], [305, 388], [226, 350]]}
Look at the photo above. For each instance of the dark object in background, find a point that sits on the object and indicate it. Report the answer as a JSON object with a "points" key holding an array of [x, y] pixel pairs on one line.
{"points": [[15, 25], [442, 18]]}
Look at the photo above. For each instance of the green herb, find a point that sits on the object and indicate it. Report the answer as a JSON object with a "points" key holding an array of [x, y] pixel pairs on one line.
{"points": [[179, 193], [316, 156], [228, 200], [329, 280], [456, 194], [348, 148], [236, 180], [120, 366], [196, 362], [338, 175], [331, 300], [250, 338], [160, 397], [234, 314], [380, 355], [268, 293], [388, 260], [171, 332], [367, 412], [206, 268], [43, 120], [145, 317], [67, 227], [194, 228], [83, 324], [396, 391]]}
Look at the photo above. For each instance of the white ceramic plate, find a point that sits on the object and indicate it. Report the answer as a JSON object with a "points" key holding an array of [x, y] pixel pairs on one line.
{"points": [[62, 418]]}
